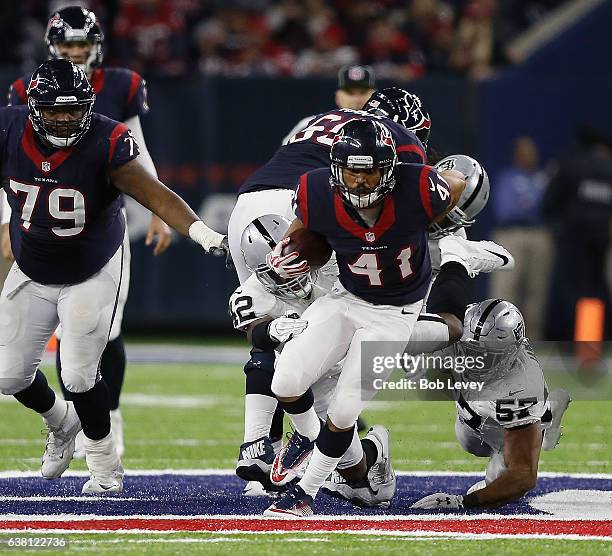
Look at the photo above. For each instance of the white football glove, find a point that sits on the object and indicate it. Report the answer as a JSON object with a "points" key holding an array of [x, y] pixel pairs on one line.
{"points": [[281, 264], [439, 501], [210, 240], [284, 328]]}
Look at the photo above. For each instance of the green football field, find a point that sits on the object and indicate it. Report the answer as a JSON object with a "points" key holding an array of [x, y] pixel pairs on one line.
{"points": [[189, 416]]}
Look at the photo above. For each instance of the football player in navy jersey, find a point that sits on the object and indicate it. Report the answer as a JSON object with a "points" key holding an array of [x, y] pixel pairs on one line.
{"points": [[64, 169], [270, 188], [74, 33], [375, 216]]}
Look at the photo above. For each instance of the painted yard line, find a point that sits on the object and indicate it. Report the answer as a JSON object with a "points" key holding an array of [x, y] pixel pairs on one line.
{"points": [[18, 474], [549, 528], [385, 535], [322, 518]]}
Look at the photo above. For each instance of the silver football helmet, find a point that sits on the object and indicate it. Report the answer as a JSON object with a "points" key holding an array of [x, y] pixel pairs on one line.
{"points": [[258, 239], [473, 199], [495, 329]]}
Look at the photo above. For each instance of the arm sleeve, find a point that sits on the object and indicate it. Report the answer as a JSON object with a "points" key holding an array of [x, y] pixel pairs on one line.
{"points": [[122, 147], [435, 193], [137, 103], [144, 158]]}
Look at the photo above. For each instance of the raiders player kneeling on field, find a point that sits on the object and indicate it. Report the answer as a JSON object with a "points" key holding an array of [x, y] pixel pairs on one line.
{"points": [[511, 419]]}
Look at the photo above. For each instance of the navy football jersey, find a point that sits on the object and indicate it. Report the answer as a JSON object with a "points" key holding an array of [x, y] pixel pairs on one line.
{"points": [[309, 149], [120, 93], [66, 221], [387, 263]]}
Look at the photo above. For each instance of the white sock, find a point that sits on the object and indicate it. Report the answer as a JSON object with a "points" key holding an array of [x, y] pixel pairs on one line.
{"points": [[56, 414], [101, 455], [307, 424], [319, 468], [277, 446], [258, 414]]}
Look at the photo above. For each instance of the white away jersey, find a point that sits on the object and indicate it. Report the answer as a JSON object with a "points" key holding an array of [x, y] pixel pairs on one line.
{"points": [[251, 301], [517, 398]]}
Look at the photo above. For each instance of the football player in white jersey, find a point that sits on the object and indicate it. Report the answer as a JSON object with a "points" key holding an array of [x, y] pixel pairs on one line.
{"points": [[511, 419]]}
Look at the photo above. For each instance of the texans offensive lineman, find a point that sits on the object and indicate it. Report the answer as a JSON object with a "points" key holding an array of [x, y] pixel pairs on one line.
{"points": [[64, 169]]}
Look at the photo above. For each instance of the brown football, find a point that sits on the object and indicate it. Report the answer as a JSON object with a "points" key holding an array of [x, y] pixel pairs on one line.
{"points": [[311, 246]]}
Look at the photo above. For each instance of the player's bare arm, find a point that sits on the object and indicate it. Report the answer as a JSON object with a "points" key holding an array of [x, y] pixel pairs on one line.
{"points": [[132, 179], [521, 453]]}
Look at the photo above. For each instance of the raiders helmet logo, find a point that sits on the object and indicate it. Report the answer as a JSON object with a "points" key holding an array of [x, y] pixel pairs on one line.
{"points": [[448, 164]]}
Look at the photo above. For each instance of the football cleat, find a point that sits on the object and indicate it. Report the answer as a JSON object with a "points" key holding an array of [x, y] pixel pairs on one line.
{"points": [[559, 402], [475, 256], [288, 461], [378, 487], [294, 504], [79, 446], [255, 461], [105, 470], [59, 447], [117, 427], [476, 486]]}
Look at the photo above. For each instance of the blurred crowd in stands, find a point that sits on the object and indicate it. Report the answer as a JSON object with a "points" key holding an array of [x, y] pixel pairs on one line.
{"points": [[401, 39]]}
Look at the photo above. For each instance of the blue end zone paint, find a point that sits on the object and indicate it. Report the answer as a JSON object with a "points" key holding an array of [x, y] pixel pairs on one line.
{"points": [[221, 494]]}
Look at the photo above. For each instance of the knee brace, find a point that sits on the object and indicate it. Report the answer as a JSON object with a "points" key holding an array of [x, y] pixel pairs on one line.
{"points": [[259, 371]]}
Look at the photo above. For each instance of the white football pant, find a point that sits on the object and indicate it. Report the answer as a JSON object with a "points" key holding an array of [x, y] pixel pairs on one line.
{"points": [[29, 313], [337, 325], [123, 291]]}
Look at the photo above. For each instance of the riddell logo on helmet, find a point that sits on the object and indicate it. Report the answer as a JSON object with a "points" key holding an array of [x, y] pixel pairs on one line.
{"points": [[360, 160], [66, 99]]}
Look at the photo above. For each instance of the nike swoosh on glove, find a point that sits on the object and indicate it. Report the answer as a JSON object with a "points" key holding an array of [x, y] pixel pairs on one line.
{"points": [[283, 329], [439, 501], [282, 264]]}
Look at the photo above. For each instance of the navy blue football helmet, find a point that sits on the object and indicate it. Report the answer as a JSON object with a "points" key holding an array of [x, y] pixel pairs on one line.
{"points": [[72, 24], [362, 145], [402, 107], [60, 86]]}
